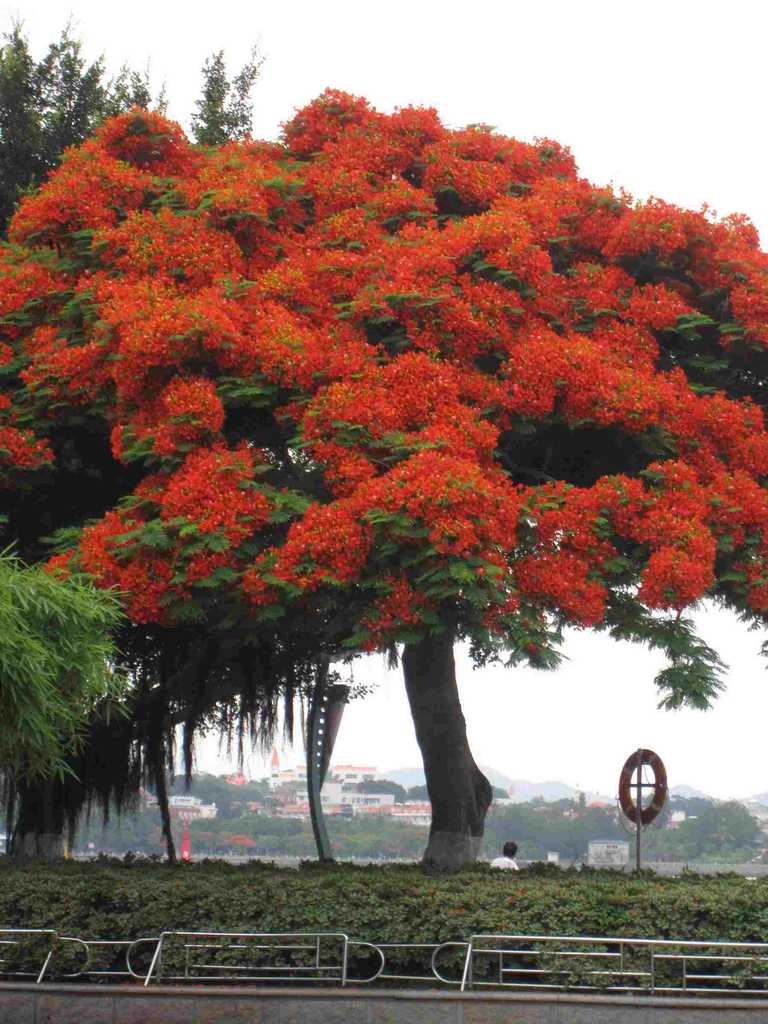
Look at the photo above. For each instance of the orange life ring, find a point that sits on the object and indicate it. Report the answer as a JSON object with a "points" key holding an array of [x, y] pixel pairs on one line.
{"points": [[626, 796]]}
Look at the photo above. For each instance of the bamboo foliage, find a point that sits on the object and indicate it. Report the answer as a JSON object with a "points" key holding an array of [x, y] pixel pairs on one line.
{"points": [[56, 665]]}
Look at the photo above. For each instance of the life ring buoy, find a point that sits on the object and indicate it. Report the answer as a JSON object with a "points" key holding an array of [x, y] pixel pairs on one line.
{"points": [[626, 796]]}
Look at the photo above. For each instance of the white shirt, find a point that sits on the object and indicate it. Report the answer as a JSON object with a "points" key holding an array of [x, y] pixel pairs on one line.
{"points": [[506, 863]]}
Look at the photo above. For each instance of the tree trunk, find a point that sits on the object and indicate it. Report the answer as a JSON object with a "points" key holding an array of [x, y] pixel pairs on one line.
{"points": [[459, 792], [165, 815], [161, 790], [38, 832]]}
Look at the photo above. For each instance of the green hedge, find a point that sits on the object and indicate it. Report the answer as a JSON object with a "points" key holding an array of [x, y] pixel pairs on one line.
{"points": [[388, 903]]}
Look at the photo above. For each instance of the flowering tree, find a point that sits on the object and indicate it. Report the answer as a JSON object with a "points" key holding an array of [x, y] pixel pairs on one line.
{"points": [[388, 383]]}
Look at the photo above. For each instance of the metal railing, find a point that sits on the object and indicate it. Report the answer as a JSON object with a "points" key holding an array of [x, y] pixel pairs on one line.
{"points": [[15, 942], [21, 947], [291, 956], [272, 956], [431, 951], [95, 950], [616, 964], [533, 962]]}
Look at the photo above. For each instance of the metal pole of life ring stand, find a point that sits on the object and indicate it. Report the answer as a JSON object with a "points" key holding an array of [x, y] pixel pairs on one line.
{"points": [[639, 787], [639, 813]]}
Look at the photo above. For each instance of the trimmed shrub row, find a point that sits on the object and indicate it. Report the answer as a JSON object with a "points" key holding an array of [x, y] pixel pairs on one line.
{"points": [[385, 904]]}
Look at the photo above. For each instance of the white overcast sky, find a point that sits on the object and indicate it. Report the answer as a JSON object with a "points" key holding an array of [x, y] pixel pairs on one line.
{"points": [[662, 98]]}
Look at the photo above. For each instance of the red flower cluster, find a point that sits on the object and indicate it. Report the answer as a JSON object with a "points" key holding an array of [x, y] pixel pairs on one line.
{"points": [[401, 608], [90, 190], [142, 575], [328, 545], [22, 283], [146, 140], [181, 528], [180, 249], [20, 449], [211, 492]]}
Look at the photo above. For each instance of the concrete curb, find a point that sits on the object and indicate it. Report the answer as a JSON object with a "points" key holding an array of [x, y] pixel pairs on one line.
{"points": [[125, 1004]]}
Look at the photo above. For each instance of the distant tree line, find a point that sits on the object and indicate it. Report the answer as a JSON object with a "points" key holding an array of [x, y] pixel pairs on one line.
{"points": [[561, 827], [712, 831], [58, 100]]}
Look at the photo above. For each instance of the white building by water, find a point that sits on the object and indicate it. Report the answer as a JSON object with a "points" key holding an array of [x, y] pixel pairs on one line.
{"points": [[191, 806]]}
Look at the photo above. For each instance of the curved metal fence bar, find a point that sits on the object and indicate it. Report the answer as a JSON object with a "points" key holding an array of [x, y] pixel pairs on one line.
{"points": [[378, 973], [129, 951], [85, 945], [433, 963], [97, 948], [11, 941], [430, 951], [273, 956], [616, 964]]}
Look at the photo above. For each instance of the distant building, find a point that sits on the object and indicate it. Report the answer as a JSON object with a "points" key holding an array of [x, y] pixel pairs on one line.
{"points": [[298, 811], [331, 795], [415, 813], [676, 819], [351, 796], [278, 776], [236, 780], [192, 806], [348, 773], [274, 769], [354, 773], [340, 794], [288, 793], [757, 810]]}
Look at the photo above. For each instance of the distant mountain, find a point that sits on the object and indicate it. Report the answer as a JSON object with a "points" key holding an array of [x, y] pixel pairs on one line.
{"points": [[522, 789], [758, 798], [496, 778], [405, 776], [689, 793]]}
